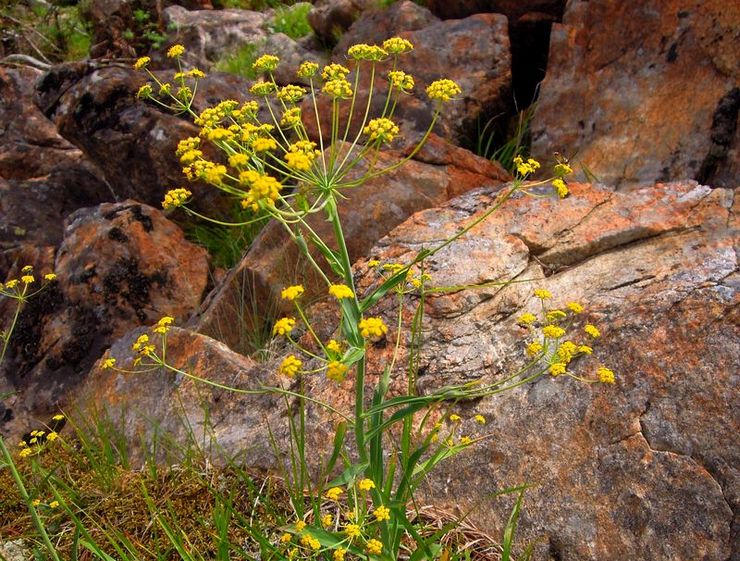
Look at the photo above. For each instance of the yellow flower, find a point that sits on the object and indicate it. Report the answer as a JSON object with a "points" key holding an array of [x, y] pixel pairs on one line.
{"points": [[480, 419], [290, 366], [339, 553], [27, 269], [311, 542], [265, 63], [605, 375], [534, 349], [334, 347], [11, 284], [466, 441], [352, 530], [27, 279], [327, 520], [553, 331], [108, 363], [566, 351], [397, 45], [374, 547], [163, 325], [557, 368], [307, 69], [175, 51], [50, 277], [195, 73], [140, 342], [543, 294], [299, 161], [25, 453], [382, 513], [365, 484], [339, 88], [525, 168], [52, 436], [373, 263], [262, 88], [574, 307], [334, 72], [561, 169], [372, 327], [292, 292], [585, 349], [336, 371], [175, 198], [455, 418], [291, 93], [554, 316], [401, 80], [334, 493], [286, 537], [263, 144], [144, 92], [443, 90], [381, 129], [560, 188], [36, 502], [238, 160], [300, 525], [283, 326], [142, 62], [53, 504], [291, 118], [526, 319], [363, 51], [592, 331], [340, 291], [58, 417]]}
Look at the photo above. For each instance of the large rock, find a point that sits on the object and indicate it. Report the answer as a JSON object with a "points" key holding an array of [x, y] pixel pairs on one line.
{"points": [[474, 52], [134, 142], [617, 469], [641, 93], [331, 18], [120, 266], [250, 295], [42, 176]]}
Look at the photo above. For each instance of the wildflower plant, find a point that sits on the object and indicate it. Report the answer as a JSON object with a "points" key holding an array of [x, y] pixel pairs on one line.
{"points": [[276, 169]]}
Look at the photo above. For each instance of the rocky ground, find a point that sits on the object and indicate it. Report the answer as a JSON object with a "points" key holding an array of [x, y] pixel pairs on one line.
{"points": [[643, 98]]}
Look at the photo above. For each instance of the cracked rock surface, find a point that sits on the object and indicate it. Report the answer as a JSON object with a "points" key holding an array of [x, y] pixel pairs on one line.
{"points": [[646, 469]]}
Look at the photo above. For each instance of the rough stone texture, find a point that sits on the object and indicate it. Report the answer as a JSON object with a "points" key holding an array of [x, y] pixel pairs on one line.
{"points": [[132, 141], [234, 425], [617, 469], [209, 34], [331, 18], [642, 93], [292, 53], [371, 211], [512, 9], [42, 176], [120, 266], [15, 550], [474, 52]]}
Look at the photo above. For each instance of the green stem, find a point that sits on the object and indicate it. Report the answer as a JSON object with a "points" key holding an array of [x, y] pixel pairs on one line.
{"points": [[6, 339]]}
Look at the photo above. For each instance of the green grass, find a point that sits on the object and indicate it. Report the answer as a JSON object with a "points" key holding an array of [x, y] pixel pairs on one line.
{"points": [[292, 20], [517, 135], [240, 62]]}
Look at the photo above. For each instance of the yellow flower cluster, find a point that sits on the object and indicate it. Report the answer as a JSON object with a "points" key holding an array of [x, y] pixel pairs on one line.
{"points": [[340, 291], [144, 92], [108, 363], [339, 88], [334, 493], [175, 51], [382, 513], [262, 88], [374, 547], [290, 366], [365, 484], [142, 62], [283, 326], [163, 325], [262, 144], [363, 51], [336, 371], [142, 346], [262, 189], [307, 69], [292, 292], [401, 80], [382, 129], [371, 328], [301, 155], [560, 188], [397, 46], [175, 198], [291, 93], [291, 117], [605, 375], [265, 63], [334, 72], [443, 90], [525, 168]]}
